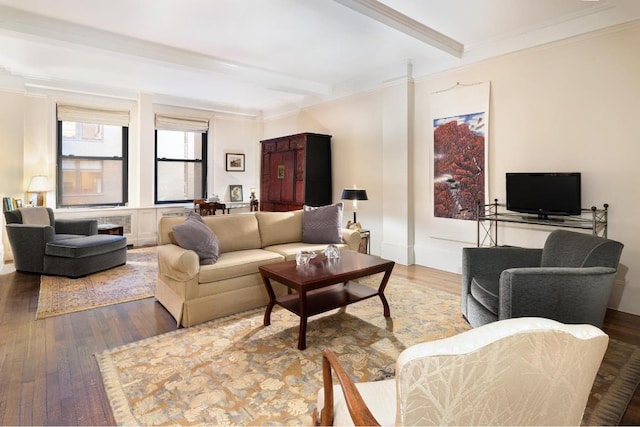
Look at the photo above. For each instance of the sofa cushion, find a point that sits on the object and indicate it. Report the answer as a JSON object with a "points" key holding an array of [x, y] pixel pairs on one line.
{"points": [[59, 236], [289, 250], [85, 246], [322, 224], [235, 232], [379, 396], [280, 227], [193, 234], [486, 290], [237, 263]]}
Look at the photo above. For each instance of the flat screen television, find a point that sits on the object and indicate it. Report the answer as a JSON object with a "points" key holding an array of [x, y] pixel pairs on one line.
{"points": [[544, 193]]}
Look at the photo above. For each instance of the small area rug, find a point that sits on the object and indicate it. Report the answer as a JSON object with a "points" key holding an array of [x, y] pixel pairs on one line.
{"points": [[235, 371], [132, 281]]}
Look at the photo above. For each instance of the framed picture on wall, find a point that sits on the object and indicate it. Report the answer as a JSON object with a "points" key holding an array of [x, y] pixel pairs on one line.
{"points": [[235, 193], [235, 162]]}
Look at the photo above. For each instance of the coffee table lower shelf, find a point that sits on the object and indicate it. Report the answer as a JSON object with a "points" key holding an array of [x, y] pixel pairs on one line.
{"points": [[325, 299]]}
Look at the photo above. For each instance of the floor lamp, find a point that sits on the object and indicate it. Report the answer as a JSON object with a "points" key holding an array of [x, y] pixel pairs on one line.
{"points": [[354, 194]]}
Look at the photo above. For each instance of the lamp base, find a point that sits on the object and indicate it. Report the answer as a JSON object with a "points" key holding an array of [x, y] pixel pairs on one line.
{"points": [[36, 199], [354, 226]]}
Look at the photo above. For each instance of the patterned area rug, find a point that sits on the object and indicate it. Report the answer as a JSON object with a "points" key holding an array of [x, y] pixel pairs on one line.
{"points": [[132, 281], [235, 371]]}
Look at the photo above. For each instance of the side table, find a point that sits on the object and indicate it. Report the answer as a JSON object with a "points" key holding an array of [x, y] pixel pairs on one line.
{"points": [[365, 241], [111, 229]]}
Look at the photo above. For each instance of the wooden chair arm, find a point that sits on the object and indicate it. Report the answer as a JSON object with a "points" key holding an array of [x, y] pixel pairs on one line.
{"points": [[358, 410]]}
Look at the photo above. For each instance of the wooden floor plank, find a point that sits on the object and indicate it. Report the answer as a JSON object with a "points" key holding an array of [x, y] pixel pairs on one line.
{"points": [[48, 370]]}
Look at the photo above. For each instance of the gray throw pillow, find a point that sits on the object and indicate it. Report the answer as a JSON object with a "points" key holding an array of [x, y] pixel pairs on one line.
{"points": [[195, 235], [322, 224]]}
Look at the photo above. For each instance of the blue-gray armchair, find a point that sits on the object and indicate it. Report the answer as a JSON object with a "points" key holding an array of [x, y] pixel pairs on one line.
{"points": [[66, 247], [569, 280]]}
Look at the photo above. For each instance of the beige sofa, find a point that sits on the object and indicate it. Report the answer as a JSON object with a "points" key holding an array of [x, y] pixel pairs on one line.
{"points": [[195, 293]]}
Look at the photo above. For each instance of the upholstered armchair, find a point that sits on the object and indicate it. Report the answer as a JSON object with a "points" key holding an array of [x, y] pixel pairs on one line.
{"points": [[70, 247], [569, 280], [525, 371]]}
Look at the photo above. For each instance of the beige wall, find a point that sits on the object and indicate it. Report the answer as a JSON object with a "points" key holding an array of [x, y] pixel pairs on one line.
{"points": [[233, 135], [12, 158]]}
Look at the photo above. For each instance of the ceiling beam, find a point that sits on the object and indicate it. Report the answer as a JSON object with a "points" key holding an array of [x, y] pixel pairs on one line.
{"points": [[394, 19]]}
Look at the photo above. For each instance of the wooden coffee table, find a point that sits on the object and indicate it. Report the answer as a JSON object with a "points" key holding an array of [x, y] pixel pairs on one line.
{"points": [[323, 285]]}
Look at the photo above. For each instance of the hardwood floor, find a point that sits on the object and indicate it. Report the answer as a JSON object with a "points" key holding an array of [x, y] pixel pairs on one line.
{"points": [[48, 373], [49, 376]]}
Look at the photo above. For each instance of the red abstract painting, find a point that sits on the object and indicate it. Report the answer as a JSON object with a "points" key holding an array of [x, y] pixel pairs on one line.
{"points": [[459, 165]]}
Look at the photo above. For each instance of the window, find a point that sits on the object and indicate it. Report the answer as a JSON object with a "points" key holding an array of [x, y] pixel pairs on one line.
{"points": [[181, 159], [92, 157]]}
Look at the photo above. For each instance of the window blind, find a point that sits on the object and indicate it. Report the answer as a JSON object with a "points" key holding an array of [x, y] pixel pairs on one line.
{"points": [[181, 124], [73, 113]]}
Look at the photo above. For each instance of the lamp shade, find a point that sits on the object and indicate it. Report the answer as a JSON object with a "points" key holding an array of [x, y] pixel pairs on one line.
{"points": [[38, 184], [354, 194]]}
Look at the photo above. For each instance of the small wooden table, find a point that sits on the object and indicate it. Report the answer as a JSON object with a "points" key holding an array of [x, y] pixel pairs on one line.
{"points": [[111, 229], [323, 285]]}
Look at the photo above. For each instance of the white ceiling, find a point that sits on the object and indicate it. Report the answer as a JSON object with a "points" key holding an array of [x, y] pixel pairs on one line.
{"points": [[270, 55]]}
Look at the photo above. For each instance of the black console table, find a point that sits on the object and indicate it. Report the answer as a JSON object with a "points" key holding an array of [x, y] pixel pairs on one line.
{"points": [[490, 215]]}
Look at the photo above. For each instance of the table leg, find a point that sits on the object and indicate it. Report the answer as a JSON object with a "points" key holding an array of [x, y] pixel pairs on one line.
{"points": [[383, 285], [302, 332], [272, 300]]}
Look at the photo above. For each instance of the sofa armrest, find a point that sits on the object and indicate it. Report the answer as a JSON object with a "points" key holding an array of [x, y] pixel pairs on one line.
{"points": [[566, 294], [351, 238], [30, 235], [84, 227], [28, 242], [178, 263]]}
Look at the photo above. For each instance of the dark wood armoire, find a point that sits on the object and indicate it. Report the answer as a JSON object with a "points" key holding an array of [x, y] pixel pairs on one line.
{"points": [[296, 170]]}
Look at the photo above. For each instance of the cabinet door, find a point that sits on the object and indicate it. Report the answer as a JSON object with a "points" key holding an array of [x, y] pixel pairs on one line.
{"points": [[281, 181], [265, 177], [288, 181], [301, 165]]}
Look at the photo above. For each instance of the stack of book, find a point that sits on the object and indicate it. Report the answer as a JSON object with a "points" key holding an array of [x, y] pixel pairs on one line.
{"points": [[9, 203]]}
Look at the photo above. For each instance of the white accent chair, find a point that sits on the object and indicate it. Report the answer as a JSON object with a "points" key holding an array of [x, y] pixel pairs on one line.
{"points": [[522, 371]]}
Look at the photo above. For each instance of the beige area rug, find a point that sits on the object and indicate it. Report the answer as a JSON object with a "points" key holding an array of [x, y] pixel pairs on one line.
{"points": [[235, 371], [132, 281]]}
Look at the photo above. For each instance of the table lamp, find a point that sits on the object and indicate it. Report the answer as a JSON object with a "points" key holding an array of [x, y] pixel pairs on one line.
{"points": [[39, 185], [354, 194]]}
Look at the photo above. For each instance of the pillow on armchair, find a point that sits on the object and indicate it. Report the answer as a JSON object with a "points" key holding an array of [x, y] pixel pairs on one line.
{"points": [[195, 235], [322, 224]]}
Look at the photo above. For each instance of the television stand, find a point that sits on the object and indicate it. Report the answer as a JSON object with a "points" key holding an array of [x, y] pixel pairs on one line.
{"points": [[541, 217], [489, 216]]}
